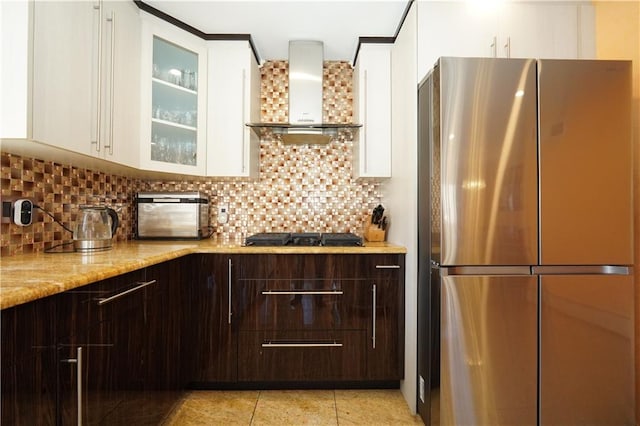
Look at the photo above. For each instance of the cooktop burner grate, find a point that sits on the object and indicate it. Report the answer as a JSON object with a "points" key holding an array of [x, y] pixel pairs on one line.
{"points": [[269, 239], [341, 239], [303, 239]]}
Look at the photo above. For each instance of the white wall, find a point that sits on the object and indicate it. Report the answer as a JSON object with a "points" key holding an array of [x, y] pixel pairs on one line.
{"points": [[399, 192]]}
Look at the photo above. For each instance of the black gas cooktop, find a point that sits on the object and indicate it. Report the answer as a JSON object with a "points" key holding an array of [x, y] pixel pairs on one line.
{"points": [[304, 239]]}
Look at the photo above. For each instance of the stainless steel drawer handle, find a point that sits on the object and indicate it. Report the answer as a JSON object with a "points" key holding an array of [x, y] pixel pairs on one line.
{"points": [[387, 266], [302, 345], [304, 292], [124, 293], [374, 302], [78, 362], [229, 289]]}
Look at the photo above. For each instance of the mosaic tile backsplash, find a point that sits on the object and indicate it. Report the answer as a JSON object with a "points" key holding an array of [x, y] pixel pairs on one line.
{"points": [[300, 188]]}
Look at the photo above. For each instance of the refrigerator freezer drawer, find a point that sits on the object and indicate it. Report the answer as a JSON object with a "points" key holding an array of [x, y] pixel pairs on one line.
{"points": [[488, 371], [586, 350]]}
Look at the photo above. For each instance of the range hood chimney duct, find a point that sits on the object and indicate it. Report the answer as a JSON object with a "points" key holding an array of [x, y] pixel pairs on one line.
{"points": [[305, 82], [306, 59], [305, 125]]}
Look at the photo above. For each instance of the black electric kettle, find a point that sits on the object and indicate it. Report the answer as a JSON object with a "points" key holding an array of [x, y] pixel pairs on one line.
{"points": [[95, 228]]}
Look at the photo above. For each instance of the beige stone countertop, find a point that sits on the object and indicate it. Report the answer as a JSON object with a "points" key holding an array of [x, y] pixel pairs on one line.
{"points": [[28, 277]]}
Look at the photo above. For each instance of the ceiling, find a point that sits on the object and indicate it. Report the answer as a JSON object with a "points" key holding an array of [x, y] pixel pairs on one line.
{"points": [[272, 23]]}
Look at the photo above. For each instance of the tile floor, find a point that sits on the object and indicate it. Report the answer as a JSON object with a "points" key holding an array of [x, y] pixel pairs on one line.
{"points": [[293, 407]]}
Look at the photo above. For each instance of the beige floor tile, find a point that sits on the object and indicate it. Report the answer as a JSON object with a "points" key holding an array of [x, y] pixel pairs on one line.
{"points": [[294, 407], [215, 408], [373, 407]]}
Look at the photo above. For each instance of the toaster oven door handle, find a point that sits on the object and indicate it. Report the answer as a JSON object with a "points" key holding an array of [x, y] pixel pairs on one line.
{"points": [[167, 200]]}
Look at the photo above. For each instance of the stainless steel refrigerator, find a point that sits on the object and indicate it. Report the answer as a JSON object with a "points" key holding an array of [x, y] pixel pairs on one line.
{"points": [[525, 243]]}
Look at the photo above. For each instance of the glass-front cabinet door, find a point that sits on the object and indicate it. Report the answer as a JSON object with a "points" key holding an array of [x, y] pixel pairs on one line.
{"points": [[174, 80]]}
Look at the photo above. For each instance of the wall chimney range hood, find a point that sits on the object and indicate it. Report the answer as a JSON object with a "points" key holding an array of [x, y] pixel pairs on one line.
{"points": [[305, 100]]}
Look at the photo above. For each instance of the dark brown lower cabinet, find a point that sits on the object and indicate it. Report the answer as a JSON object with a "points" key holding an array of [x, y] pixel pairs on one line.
{"points": [[105, 353], [121, 351], [302, 356], [122, 336], [319, 317], [28, 360], [210, 345], [101, 337], [164, 333], [385, 279]]}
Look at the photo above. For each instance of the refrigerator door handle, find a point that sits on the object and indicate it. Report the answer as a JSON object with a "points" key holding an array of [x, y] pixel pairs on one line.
{"points": [[583, 270], [485, 270]]}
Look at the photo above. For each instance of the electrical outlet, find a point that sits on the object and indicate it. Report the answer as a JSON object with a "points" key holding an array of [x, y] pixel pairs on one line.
{"points": [[23, 212], [7, 211], [223, 213]]}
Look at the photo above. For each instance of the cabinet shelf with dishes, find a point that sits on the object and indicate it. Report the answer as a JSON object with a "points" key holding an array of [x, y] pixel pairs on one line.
{"points": [[175, 86], [173, 143], [174, 64], [173, 124], [174, 106]]}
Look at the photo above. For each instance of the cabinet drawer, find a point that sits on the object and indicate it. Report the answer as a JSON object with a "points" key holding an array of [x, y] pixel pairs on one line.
{"points": [[302, 356], [84, 308], [312, 304]]}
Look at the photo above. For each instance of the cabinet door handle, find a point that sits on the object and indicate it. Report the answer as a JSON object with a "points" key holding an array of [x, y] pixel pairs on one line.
{"points": [[268, 292], [364, 128], [302, 345], [78, 362], [494, 46], [507, 47], [243, 127], [96, 140], [373, 317], [229, 289], [387, 266], [112, 80], [124, 293]]}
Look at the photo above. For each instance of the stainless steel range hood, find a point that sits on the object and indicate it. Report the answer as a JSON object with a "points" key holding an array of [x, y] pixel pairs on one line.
{"points": [[305, 99]]}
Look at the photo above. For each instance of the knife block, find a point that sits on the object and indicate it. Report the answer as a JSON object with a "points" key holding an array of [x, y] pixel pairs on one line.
{"points": [[373, 234]]}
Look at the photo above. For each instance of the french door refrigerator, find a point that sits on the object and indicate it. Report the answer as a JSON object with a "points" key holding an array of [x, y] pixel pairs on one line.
{"points": [[525, 243]]}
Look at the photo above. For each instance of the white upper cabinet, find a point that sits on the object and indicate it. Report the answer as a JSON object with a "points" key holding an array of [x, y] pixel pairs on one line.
{"points": [[78, 65], [120, 106], [372, 109], [453, 29], [173, 99], [233, 100], [508, 29], [15, 48], [65, 74], [538, 31]]}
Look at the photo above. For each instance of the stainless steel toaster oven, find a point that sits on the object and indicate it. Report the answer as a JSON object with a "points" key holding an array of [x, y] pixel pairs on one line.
{"points": [[172, 215]]}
